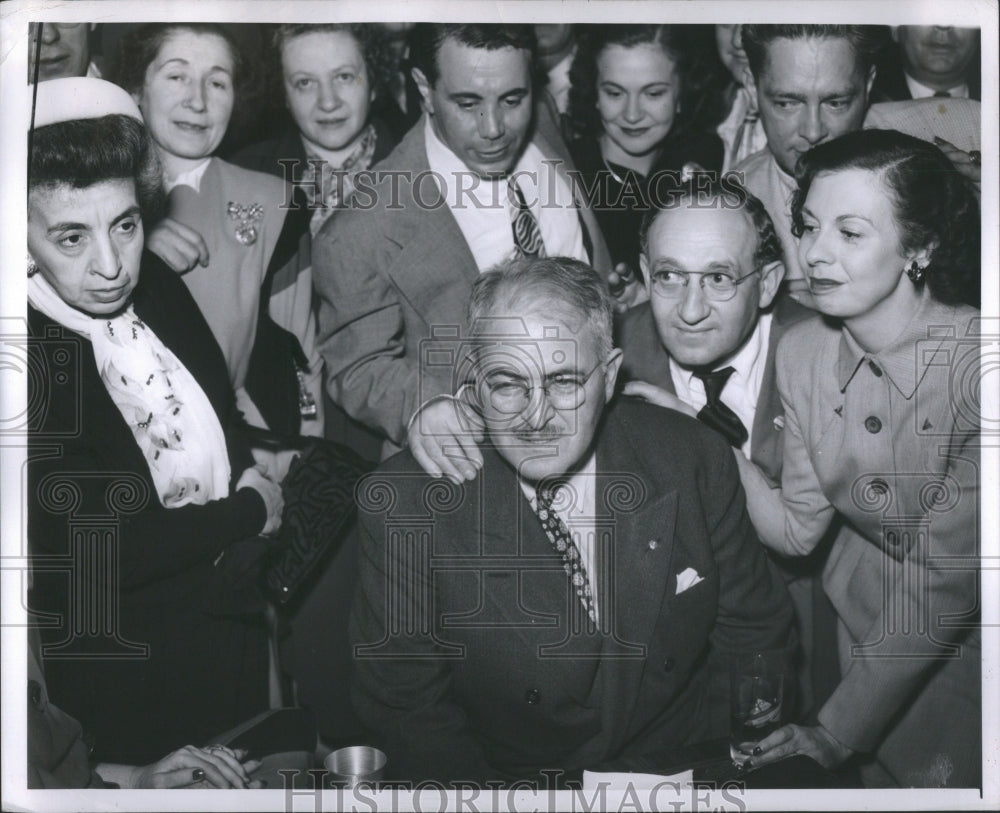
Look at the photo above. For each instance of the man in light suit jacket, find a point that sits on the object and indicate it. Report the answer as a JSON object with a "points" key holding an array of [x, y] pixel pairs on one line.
{"points": [[581, 600], [712, 262], [394, 269]]}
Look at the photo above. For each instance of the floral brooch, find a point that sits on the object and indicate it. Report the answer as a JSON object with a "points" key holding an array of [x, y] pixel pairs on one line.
{"points": [[246, 217]]}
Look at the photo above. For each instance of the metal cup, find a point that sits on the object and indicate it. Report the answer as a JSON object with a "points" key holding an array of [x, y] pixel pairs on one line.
{"points": [[353, 765]]}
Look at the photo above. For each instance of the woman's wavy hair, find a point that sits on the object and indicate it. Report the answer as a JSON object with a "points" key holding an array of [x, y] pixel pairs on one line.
{"points": [[692, 65], [141, 44], [85, 152], [935, 206], [371, 39]]}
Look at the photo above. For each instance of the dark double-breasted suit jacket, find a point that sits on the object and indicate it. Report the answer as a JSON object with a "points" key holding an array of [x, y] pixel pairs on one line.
{"points": [[472, 661]]}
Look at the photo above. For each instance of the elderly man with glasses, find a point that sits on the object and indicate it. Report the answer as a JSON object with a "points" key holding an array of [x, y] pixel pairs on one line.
{"points": [[580, 600], [705, 344]]}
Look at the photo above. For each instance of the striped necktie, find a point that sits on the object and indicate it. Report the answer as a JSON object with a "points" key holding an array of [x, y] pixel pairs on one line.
{"points": [[527, 236]]}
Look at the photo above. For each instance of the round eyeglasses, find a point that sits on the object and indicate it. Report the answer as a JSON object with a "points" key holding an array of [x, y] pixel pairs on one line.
{"points": [[717, 285], [510, 394]]}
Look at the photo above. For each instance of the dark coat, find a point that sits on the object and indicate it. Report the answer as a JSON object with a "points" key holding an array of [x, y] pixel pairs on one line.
{"points": [[163, 582], [468, 664]]}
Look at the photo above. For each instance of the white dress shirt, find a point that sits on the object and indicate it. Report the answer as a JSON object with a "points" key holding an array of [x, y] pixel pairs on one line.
{"points": [[483, 212], [576, 503], [919, 91], [743, 387]]}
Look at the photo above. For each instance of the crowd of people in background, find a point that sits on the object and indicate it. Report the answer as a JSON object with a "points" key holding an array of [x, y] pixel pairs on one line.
{"points": [[756, 252]]}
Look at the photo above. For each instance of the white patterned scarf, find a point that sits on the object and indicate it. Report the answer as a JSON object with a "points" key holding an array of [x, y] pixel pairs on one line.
{"points": [[169, 414]]}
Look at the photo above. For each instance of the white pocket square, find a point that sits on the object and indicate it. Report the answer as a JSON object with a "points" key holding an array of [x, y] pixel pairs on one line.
{"points": [[687, 579]]}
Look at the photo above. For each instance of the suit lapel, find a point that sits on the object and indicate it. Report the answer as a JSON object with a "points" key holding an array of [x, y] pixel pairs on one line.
{"points": [[642, 546], [434, 267]]}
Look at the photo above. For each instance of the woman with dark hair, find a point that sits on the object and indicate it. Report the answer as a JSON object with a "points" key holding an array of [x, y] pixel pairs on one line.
{"points": [[881, 400], [224, 226], [148, 507], [635, 106]]}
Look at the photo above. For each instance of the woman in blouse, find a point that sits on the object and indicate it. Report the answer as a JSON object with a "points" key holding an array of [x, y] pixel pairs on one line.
{"points": [[224, 225], [882, 428], [635, 108], [150, 502]]}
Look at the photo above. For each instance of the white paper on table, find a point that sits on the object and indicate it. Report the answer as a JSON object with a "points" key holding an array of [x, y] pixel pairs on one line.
{"points": [[639, 781]]}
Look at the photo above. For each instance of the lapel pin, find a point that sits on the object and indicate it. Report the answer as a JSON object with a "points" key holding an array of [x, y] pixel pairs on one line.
{"points": [[779, 423], [653, 544]]}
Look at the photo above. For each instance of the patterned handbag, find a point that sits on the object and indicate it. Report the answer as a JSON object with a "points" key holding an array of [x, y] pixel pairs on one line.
{"points": [[319, 511]]}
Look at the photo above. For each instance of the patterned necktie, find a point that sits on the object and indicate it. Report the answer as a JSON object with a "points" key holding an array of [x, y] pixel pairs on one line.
{"points": [[715, 413], [527, 237], [562, 541]]}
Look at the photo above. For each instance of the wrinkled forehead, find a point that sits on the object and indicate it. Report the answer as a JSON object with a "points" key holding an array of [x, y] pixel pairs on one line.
{"points": [[817, 64]]}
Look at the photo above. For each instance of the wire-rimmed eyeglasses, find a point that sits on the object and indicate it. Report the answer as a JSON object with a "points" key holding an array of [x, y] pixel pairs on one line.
{"points": [[510, 394], [717, 285]]}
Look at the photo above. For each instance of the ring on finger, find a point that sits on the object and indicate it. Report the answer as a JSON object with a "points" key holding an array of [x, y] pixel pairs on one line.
{"points": [[975, 157]]}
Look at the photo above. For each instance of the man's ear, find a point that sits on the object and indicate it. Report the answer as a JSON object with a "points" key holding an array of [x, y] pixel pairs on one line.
{"points": [[870, 82], [614, 364], [771, 276], [644, 267], [425, 89], [750, 83]]}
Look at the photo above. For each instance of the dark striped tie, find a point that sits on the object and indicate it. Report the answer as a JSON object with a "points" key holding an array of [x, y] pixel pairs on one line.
{"points": [[527, 236]]}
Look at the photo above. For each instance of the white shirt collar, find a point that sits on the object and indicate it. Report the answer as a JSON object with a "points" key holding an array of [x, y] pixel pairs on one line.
{"points": [[191, 177], [742, 390], [481, 208], [921, 91]]}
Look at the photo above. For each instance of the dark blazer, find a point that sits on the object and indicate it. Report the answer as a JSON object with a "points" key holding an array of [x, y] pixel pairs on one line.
{"points": [[890, 81], [389, 272], [647, 360], [205, 669], [470, 663]]}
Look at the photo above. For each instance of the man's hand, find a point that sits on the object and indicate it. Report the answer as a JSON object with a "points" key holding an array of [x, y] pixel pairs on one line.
{"points": [[659, 396], [626, 287], [180, 247], [811, 741], [968, 163], [444, 437]]}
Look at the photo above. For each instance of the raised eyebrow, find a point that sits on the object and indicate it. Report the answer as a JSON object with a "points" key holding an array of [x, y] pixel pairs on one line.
{"points": [[131, 211], [60, 227]]}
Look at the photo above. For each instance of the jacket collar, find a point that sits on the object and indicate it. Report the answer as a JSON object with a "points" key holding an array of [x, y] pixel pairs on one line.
{"points": [[906, 360]]}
